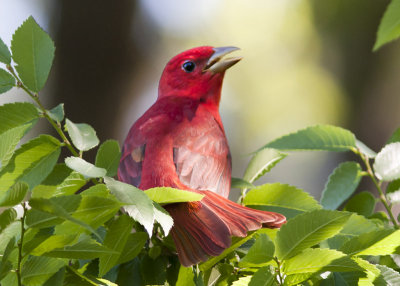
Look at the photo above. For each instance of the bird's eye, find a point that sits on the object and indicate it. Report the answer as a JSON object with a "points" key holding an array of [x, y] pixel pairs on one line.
{"points": [[188, 66]]}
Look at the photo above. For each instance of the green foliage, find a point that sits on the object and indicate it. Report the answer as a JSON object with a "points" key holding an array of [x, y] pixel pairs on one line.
{"points": [[76, 225], [7, 81], [389, 28], [341, 185], [33, 52]]}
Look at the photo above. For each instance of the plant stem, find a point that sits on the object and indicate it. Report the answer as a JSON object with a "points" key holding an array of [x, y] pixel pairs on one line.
{"points": [[55, 125], [20, 244], [377, 184], [279, 277]]}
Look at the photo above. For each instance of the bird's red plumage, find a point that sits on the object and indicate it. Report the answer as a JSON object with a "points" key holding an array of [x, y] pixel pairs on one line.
{"points": [[180, 142]]}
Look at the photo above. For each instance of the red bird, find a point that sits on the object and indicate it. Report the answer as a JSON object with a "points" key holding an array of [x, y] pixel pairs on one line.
{"points": [[180, 142]]}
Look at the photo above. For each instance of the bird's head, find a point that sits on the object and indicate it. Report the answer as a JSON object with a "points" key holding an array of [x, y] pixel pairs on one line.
{"points": [[197, 73]]}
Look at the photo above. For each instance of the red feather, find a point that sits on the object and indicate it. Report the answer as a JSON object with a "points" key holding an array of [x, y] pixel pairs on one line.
{"points": [[180, 142]]}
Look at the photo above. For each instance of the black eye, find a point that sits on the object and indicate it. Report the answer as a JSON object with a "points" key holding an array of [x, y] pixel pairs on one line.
{"points": [[188, 66]]}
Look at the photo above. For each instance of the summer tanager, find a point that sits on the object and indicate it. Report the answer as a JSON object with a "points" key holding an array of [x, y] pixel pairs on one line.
{"points": [[180, 142]]}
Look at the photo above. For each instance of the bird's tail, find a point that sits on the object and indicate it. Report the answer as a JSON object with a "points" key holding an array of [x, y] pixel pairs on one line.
{"points": [[204, 228]]}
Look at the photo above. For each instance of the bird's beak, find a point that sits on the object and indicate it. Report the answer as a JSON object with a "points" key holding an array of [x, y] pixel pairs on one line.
{"points": [[216, 63]]}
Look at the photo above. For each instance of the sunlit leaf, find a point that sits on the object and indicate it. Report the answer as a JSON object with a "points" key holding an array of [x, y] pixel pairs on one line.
{"points": [[7, 81], [308, 229], [84, 249], [379, 242], [358, 224], [31, 163], [319, 137], [85, 168], [262, 162], [185, 277], [314, 261], [285, 199], [389, 28], [362, 203], [83, 135], [47, 205], [14, 195], [117, 235], [108, 157], [33, 52], [387, 162], [167, 195], [10, 231], [16, 114], [9, 140], [242, 281], [5, 264], [37, 269], [341, 185], [136, 203], [5, 55], [51, 243]]}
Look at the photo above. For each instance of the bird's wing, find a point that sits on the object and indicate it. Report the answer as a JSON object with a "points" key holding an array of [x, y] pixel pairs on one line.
{"points": [[202, 158]]}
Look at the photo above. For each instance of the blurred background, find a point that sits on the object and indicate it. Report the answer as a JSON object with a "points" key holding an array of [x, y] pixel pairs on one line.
{"points": [[306, 62]]}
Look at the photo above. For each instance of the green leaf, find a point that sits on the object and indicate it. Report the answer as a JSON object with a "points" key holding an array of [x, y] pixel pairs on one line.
{"points": [[116, 238], [36, 270], [387, 162], [6, 218], [85, 249], [85, 168], [10, 231], [390, 276], [33, 52], [153, 270], [260, 252], [93, 211], [5, 264], [47, 205], [185, 277], [262, 162], [16, 114], [379, 242], [308, 229], [51, 243], [7, 81], [9, 140], [136, 203], [134, 244], [237, 183], [311, 262], [319, 137], [163, 218], [57, 113], [358, 224], [364, 149], [389, 28], [262, 277], [341, 185], [236, 242], [82, 135], [242, 281], [362, 203], [57, 279], [5, 55], [14, 195], [167, 195], [281, 198], [393, 191], [395, 137], [108, 157], [31, 163]]}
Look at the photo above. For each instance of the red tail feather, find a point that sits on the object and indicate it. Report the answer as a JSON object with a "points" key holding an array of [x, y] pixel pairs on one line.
{"points": [[206, 229]]}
